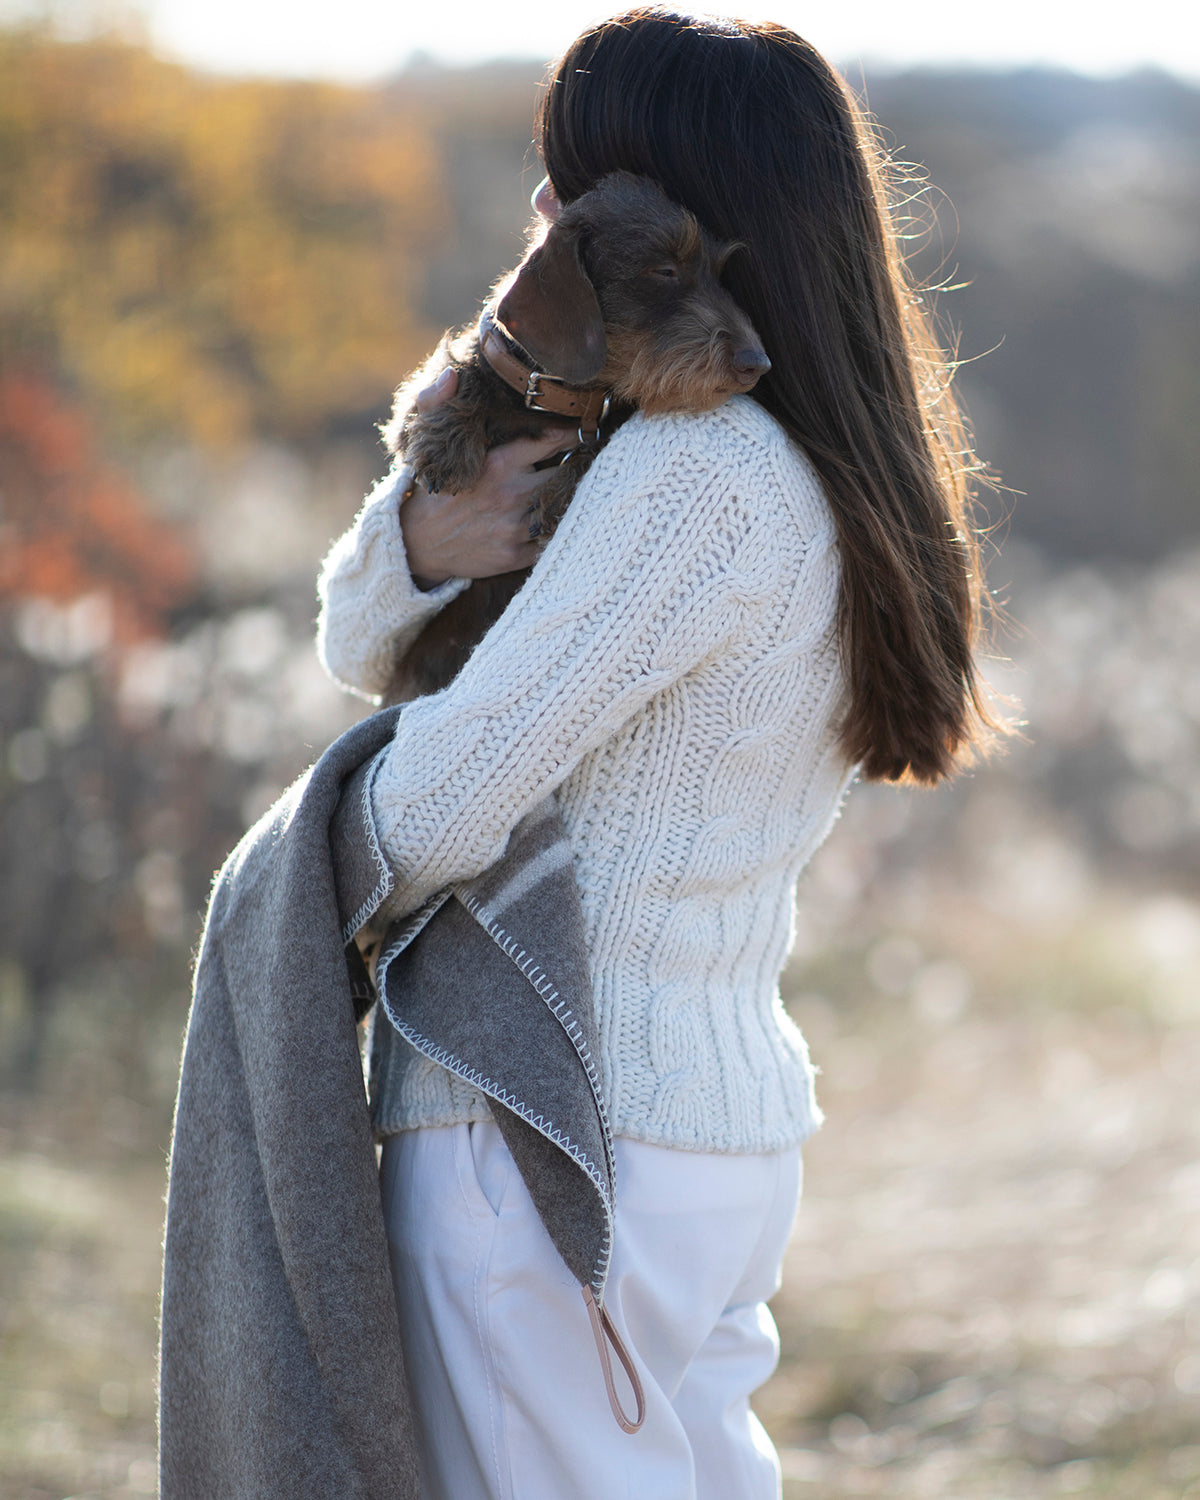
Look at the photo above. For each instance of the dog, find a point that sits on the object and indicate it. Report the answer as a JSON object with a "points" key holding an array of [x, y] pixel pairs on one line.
{"points": [[619, 306]]}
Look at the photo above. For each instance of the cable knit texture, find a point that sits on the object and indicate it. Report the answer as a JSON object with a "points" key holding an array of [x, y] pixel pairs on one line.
{"points": [[671, 668]]}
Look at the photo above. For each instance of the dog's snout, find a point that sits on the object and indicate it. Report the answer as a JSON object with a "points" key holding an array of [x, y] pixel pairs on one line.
{"points": [[749, 364]]}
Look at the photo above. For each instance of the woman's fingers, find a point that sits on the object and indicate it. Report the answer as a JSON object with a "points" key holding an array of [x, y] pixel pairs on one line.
{"points": [[529, 451], [512, 472], [525, 556], [439, 392], [474, 533], [486, 529]]}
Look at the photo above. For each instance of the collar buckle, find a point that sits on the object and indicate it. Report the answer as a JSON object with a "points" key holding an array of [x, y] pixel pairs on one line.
{"points": [[533, 389]]}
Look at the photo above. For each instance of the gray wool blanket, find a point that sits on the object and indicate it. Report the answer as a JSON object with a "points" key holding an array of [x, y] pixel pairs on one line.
{"points": [[281, 1372]]}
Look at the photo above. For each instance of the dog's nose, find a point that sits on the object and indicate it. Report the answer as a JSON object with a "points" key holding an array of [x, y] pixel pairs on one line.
{"points": [[748, 365]]}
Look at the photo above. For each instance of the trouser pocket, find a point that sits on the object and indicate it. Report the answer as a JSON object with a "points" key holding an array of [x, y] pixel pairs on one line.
{"points": [[485, 1164]]}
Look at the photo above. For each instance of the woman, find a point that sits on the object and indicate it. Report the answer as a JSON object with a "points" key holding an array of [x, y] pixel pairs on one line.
{"points": [[739, 611]]}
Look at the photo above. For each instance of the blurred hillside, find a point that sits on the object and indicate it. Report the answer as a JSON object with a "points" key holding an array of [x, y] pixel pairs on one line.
{"points": [[1072, 206], [207, 291]]}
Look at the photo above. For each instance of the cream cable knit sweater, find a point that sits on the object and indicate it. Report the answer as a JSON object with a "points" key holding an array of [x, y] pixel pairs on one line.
{"points": [[670, 668]]}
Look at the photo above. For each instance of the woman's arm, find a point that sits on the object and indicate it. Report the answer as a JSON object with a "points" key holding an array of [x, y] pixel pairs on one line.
{"points": [[643, 579], [403, 560], [371, 608]]}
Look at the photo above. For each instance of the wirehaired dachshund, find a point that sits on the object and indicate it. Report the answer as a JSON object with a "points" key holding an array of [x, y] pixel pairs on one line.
{"points": [[618, 306]]}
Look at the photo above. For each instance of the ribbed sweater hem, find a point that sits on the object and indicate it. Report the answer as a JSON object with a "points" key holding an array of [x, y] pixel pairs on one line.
{"points": [[447, 1100], [784, 1135]]}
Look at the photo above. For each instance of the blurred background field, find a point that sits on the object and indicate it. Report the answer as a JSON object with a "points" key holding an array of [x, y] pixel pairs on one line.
{"points": [[207, 289]]}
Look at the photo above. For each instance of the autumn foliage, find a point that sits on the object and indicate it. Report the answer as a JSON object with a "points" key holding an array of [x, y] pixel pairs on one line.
{"points": [[70, 525], [189, 262], [208, 259]]}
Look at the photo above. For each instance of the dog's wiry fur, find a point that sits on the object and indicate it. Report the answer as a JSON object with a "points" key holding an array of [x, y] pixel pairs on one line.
{"points": [[622, 294]]}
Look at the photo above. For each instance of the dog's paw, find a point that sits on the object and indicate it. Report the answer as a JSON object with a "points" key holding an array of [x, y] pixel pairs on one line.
{"points": [[446, 450], [438, 478], [449, 473]]}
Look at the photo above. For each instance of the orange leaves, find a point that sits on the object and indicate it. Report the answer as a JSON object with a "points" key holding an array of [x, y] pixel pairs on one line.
{"points": [[69, 527], [210, 260]]}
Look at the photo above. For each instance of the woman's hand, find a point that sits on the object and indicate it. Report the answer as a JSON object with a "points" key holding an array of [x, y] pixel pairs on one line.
{"points": [[484, 530]]}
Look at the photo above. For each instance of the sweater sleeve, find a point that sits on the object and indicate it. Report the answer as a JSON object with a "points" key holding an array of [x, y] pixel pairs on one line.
{"points": [[370, 607], [642, 580]]}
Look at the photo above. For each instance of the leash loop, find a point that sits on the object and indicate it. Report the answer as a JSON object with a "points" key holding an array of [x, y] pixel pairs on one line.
{"points": [[605, 1334]]}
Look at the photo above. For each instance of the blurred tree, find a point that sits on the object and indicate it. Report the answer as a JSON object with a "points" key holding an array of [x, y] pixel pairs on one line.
{"points": [[208, 259], [70, 527], [98, 812]]}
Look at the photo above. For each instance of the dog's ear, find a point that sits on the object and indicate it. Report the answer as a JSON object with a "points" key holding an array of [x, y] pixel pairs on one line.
{"points": [[552, 312]]}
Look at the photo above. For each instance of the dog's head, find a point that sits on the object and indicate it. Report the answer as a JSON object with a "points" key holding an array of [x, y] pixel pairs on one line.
{"points": [[624, 291]]}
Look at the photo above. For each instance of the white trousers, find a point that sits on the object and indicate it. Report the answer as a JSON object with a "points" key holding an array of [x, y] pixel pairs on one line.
{"points": [[507, 1383]]}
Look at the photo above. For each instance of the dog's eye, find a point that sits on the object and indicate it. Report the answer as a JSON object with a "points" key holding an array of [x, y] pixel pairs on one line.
{"points": [[666, 272]]}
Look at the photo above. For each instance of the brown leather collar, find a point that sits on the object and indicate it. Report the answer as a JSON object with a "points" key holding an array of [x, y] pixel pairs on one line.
{"points": [[542, 392]]}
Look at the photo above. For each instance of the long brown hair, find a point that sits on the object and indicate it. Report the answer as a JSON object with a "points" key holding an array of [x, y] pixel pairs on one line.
{"points": [[748, 127]]}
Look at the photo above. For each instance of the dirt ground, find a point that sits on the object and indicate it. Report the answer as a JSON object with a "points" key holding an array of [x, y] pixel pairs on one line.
{"points": [[994, 1284]]}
